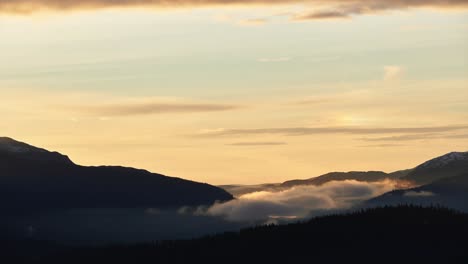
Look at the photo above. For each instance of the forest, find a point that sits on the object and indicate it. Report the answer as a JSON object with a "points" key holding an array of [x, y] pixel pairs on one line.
{"points": [[402, 234]]}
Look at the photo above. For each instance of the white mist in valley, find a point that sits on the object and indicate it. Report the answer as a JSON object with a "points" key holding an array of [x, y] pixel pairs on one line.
{"points": [[297, 202]]}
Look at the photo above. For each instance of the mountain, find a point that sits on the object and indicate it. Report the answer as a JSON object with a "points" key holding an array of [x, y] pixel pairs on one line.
{"points": [[367, 176], [442, 181], [446, 166], [450, 192], [35, 178], [239, 189], [404, 234]]}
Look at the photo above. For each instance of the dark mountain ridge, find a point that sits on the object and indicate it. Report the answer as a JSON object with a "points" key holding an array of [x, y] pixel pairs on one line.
{"points": [[450, 192], [445, 166], [363, 176], [35, 178], [367, 176]]}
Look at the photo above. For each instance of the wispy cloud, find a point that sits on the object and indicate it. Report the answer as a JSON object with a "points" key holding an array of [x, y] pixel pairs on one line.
{"points": [[403, 137], [331, 9], [413, 137], [266, 143], [382, 146], [148, 108], [299, 131], [321, 15], [340, 9]]}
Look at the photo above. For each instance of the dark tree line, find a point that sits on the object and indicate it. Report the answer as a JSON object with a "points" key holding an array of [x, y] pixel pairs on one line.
{"points": [[402, 234]]}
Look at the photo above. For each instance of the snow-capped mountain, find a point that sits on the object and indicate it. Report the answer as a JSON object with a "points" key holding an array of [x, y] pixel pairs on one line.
{"points": [[445, 160], [445, 166]]}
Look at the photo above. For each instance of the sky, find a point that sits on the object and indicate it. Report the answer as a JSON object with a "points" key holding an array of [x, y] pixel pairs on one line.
{"points": [[237, 92]]}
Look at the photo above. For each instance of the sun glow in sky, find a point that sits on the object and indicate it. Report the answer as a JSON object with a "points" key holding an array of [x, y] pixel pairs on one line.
{"points": [[237, 93]]}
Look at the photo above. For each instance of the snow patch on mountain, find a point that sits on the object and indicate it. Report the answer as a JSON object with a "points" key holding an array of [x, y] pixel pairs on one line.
{"points": [[444, 160]]}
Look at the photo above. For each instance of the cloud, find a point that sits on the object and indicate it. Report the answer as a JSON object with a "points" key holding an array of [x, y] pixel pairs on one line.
{"points": [[300, 131], [462, 136], [333, 8], [147, 108], [412, 137], [392, 72], [382, 146], [403, 137], [346, 9], [320, 15], [418, 194], [248, 144], [298, 202]]}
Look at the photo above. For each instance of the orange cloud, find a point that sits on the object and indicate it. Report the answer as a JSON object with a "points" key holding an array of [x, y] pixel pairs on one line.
{"points": [[301, 131], [334, 8], [147, 108]]}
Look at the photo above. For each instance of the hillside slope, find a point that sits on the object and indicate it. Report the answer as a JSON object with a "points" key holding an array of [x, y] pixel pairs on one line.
{"points": [[449, 192], [34, 178], [367, 176], [446, 166]]}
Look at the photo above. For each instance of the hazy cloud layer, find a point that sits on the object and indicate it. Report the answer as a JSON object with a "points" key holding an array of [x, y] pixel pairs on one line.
{"points": [[327, 9], [413, 137], [298, 131], [298, 202], [382, 146], [247, 144], [146, 108], [346, 9]]}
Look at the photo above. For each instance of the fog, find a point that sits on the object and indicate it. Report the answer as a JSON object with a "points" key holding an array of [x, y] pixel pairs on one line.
{"points": [[297, 202]]}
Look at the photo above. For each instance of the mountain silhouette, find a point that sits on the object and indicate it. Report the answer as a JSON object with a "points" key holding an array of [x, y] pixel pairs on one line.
{"points": [[34, 178], [367, 176], [363, 176], [450, 192], [445, 166]]}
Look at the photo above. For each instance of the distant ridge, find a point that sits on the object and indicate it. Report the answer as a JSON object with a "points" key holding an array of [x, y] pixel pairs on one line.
{"points": [[35, 178], [367, 176], [445, 166], [363, 176], [451, 192]]}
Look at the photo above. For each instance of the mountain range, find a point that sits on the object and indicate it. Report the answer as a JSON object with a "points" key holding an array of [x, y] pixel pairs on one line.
{"points": [[34, 178], [367, 176], [446, 166], [440, 181], [362, 176], [46, 196]]}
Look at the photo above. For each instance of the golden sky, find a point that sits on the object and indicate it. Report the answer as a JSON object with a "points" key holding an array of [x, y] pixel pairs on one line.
{"points": [[237, 91]]}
